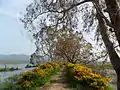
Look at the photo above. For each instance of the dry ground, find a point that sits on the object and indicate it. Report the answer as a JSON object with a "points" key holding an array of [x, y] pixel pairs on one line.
{"points": [[57, 82]]}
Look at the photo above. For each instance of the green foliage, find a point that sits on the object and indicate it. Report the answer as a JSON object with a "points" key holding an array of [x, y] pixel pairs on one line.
{"points": [[81, 77], [10, 83], [32, 79]]}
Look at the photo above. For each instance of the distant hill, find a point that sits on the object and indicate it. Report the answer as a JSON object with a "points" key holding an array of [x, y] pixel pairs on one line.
{"points": [[14, 58]]}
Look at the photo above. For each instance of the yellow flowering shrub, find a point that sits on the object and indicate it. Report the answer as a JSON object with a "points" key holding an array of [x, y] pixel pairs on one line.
{"points": [[40, 72], [27, 73], [49, 65], [55, 65], [86, 77], [38, 76], [70, 65], [27, 84]]}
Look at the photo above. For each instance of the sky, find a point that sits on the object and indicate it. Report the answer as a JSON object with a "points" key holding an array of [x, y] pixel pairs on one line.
{"points": [[13, 38]]}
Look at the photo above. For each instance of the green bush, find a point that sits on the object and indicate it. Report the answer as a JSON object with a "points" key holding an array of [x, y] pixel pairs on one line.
{"points": [[31, 79], [81, 77]]}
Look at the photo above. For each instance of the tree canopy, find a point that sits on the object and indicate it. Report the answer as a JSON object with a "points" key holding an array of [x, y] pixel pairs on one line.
{"points": [[102, 16]]}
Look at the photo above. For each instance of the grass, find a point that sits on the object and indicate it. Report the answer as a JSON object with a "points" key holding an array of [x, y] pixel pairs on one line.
{"points": [[9, 83], [100, 66]]}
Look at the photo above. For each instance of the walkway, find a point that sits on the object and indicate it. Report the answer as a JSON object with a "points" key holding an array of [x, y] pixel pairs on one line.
{"points": [[57, 82]]}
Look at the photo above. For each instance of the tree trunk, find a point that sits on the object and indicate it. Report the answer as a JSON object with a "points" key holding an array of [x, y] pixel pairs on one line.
{"points": [[118, 79], [114, 13], [114, 58]]}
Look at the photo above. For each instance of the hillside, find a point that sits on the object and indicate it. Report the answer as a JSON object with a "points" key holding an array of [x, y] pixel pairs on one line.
{"points": [[14, 58]]}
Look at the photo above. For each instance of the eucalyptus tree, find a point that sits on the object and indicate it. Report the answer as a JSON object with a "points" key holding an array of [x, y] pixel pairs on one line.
{"points": [[67, 46], [72, 47], [102, 16]]}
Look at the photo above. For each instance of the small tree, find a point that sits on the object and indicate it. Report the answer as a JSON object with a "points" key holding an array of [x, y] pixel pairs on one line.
{"points": [[71, 47]]}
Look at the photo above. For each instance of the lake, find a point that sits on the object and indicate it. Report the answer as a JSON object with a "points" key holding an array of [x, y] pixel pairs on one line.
{"points": [[4, 75]]}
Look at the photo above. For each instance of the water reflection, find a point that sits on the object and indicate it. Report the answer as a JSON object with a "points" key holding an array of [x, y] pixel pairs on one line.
{"points": [[4, 75]]}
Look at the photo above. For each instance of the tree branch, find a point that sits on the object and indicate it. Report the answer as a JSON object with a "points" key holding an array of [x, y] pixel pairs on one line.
{"points": [[74, 5], [99, 11], [63, 11]]}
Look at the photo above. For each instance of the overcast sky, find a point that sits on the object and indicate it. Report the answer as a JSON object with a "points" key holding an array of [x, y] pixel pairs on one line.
{"points": [[13, 38]]}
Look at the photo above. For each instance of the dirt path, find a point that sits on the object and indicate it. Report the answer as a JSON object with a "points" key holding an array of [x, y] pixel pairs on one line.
{"points": [[57, 82]]}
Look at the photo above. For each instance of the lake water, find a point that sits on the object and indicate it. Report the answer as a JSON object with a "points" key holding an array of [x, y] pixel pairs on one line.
{"points": [[4, 75], [13, 65]]}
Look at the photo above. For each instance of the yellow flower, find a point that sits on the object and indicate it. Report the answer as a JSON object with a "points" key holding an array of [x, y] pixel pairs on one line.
{"points": [[109, 79], [70, 65], [27, 84], [102, 88], [27, 73], [93, 84], [76, 77], [86, 75], [41, 72]]}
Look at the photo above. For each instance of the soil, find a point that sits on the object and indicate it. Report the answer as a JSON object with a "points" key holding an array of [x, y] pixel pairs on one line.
{"points": [[57, 82]]}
